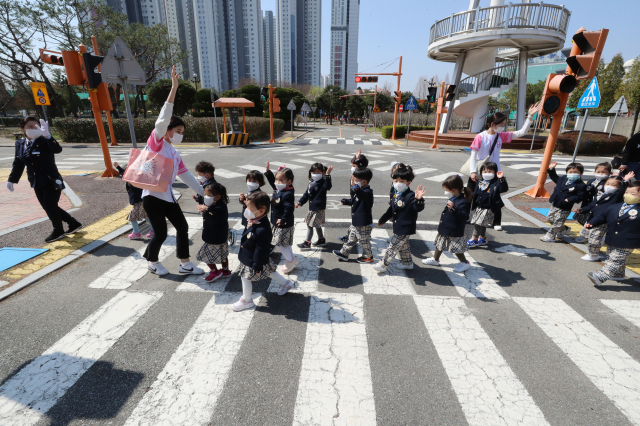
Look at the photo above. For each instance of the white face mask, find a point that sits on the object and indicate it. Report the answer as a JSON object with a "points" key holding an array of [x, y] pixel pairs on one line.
{"points": [[33, 134], [500, 129], [608, 189], [358, 184], [448, 194], [252, 186], [248, 214], [399, 186], [281, 186], [208, 201], [353, 169], [602, 177], [176, 138], [202, 178], [316, 176], [488, 176]]}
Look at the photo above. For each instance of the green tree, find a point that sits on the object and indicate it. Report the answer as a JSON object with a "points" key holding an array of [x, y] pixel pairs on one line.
{"points": [[630, 89], [158, 92], [71, 102], [356, 105], [610, 80], [286, 94], [331, 102]]}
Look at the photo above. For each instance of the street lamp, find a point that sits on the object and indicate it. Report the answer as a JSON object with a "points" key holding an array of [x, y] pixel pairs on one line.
{"points": [[330, 107], [195, 80]]}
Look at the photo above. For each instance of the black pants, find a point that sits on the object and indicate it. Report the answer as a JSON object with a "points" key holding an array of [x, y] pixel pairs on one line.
{"points": [[497, 216], [158, 211], [48, 198]]}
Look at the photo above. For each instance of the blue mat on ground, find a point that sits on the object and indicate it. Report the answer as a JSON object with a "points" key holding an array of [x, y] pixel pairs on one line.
{"points": [[545, 212], [466, 149], [11, 256]]}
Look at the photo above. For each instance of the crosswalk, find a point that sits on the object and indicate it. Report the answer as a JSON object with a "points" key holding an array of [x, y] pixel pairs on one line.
{"points": [[336, 369], [344, 141], [530, 163], [91, 161]]}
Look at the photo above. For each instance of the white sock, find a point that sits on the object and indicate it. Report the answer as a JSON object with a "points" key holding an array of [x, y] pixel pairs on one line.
{"points": [[287, 252], [247, 288], [278, 278], [153, 264], [184, 263]]}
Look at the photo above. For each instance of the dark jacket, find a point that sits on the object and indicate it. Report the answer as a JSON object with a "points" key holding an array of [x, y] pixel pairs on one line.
{"points": [[215, 219], [593, 186], [573, 192], [361, 206], [452, 222], [631, 150], [392, 192], [403, 212], [135, 194], [244, 207], [622, 232], [316, 194], [597, 205], [283, 204], [490, 197], [199, 198], [39, 160], [255, 245]]}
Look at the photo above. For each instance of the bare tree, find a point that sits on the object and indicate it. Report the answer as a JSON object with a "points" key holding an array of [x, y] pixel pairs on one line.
{"points": [[421, 90], [388, 86]]}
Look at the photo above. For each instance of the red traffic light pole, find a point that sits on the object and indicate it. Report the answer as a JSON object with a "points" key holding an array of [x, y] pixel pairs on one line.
{"points": [[114, 142]]}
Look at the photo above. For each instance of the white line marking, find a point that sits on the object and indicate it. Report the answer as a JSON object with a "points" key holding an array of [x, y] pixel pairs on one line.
{"points": [[386, 143], [332, 142], [474, 282], [67, 167], [629, 309], [314, 153], [442, 177], [348, 157], [335, 385], [188, 387], [349, 142], [610, 368], [423, 170], [75, 200], [334, 160], [26, 397], [365, 142], [7, 158], [227, 174], [488, 390], [75, 163], [314, 141], [373, 163], [518, 251], [394, 281]]}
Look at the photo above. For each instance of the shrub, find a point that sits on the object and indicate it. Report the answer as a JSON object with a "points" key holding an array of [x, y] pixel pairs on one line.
{"points": [[592, 143], [198, 129], [11, 121], [401, 131]]}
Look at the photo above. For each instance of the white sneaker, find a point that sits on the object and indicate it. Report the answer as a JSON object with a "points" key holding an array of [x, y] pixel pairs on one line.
{"points": [[588, 258], [283, 289], [290, 266], [379, 267], [547, 239], [461, 267], [430, 261], [403, 266], [618, 278], [579, 240], [497, 228], [190, 269], [157, 269], [241, 305]]}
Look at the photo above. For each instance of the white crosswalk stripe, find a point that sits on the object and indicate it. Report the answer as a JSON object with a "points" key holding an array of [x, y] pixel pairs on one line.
{"points": [[629, 309], [394, 281], [344, 141], [442, 177], [227, 174]]}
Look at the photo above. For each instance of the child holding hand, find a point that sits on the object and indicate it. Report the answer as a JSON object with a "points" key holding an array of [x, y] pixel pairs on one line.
{"points": [[358, 161], [316, 194], [570, 189], [255, 181], [282, 210], [137, 212], [215, 230], [486, 202]]}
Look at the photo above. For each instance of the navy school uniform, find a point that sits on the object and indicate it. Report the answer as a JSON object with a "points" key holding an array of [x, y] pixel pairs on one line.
{"points": [[452, 222], [403, 212], [282, 205], [574, 192], [244, 207], [215, 228], [593, 186], [490, 199], [361, 203], [597, 205], [316, 194], [199, 198], [622, 231], [135, 194], [255, 245], [39, 160]]}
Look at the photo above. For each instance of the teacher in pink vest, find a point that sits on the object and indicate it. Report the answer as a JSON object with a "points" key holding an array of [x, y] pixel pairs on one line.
{"points": [[162, 206]]}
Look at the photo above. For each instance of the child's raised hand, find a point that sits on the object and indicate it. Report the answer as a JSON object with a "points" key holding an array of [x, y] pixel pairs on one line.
{"points": [[358, 154], [115, 164], [500, 175], [628, 176], [242, 197], [201, 208], [420, 191], [329, 169], [553, 165], [588, 225], [267, 166]]}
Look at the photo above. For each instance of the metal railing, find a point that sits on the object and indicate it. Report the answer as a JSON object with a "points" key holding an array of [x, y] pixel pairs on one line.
{"points": [[488, 79], [519, 15]]}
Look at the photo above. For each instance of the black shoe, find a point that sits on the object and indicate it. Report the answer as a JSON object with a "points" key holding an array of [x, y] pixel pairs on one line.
{"points": [[55, 236], [306, 245], [341, 256], [363, 259], [344, 239], [320, 243], [74, 227]]}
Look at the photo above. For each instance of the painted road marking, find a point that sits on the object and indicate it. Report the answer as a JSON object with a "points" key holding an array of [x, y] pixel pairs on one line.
{"points": [[314, 141], [394, 281], [349, 142], [423, 170], [629, 309], [228, 174], [519, 251], [332, 141], [442, 177]]}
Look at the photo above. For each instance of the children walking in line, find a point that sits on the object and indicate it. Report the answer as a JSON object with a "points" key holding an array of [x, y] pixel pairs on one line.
{"points": [[486, 201], [215, 217], [137, 212], [403, 212], [255, 248], [359, 160], [595, 188], [316, 194], [255, 181], [452, 223], [205, 172], [570, 189], [361, 203], [282, 210], [623, 234]]}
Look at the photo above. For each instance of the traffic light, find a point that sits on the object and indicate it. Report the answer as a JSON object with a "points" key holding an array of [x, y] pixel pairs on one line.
{"points": [[91, 62], [431, 97], [585, 53], [556, 93], [367, 79], [264, 93], [273, 99], [450, 93], [397, 96], [51, 59]]}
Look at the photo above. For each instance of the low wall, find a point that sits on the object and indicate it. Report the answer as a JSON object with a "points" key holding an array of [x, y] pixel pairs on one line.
{"points": [[603, 124]]}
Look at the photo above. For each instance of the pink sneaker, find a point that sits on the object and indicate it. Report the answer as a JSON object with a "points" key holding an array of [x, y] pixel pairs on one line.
{"points": [[150, 234], [134, 236], [213, 275], [241, 305], [283, 289], [226, 273]]}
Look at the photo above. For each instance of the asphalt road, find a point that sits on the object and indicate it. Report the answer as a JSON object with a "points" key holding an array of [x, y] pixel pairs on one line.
{"points": [[519, 339]]}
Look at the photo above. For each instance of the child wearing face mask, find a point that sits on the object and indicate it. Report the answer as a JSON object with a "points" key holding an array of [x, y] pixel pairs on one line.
{"points": [[486, 201], [569, 190], [361, 203], [215, 230], [358, 160], [595, 187], [316, 194], [403, 212], [255, 250], [623, 234], [137, 212], [282, 210], [452, 223], [205, 171], [255, 181]]}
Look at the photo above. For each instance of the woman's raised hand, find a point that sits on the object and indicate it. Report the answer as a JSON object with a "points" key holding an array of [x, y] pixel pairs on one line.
{"points": [[534, 108], [174, 78], [267, 166]]}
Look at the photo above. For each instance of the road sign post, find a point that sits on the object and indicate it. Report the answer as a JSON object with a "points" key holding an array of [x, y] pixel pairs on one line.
{"points": [[411, 105], [306, 110], [291, 107], [590, 99], [215, 115], [313, 108], [41, 96], [617, 108]]}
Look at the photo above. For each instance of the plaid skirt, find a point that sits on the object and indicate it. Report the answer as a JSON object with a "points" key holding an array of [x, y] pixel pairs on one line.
{"points": [[251, 275], [213, 253], [137, 212], [451, 244], [315, 218], [282, 237], [482, 217]]}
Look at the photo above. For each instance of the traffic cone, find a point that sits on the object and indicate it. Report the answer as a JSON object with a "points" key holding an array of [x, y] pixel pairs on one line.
{"points": [[365, 127]]}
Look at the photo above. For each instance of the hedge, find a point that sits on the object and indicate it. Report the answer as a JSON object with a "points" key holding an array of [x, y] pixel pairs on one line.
{"points": [[592, 143], [401, 131], [198, 129], [11, 121]]}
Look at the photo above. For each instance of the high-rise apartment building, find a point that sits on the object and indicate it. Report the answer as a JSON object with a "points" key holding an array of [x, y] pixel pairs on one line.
{"points": [[345, 16], [181, 25], [269, 74]]}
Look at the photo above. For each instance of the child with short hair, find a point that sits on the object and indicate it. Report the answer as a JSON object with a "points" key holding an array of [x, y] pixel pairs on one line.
{"points": [[394, 167], [255, 181], [452, 223], [358, 160], [403, 212], [215, 231], [595, 188], [623, 234], [361, 203], [205, 171], [570, 189], [282, 211], [137, 212], [486, 202], [316, 194], [255, 250]]}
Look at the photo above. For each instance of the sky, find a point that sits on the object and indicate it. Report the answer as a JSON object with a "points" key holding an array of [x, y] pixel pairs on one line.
{"points": [[390, 28]]}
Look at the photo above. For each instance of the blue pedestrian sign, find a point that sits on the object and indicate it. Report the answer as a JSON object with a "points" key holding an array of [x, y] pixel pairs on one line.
{"points": [[591, 97], [411, 105], [40, 92]]}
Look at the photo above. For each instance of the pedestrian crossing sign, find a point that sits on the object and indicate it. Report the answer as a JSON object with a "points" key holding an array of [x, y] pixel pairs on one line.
{"points": [[411, 104], [591, 97], [40, 95]]}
